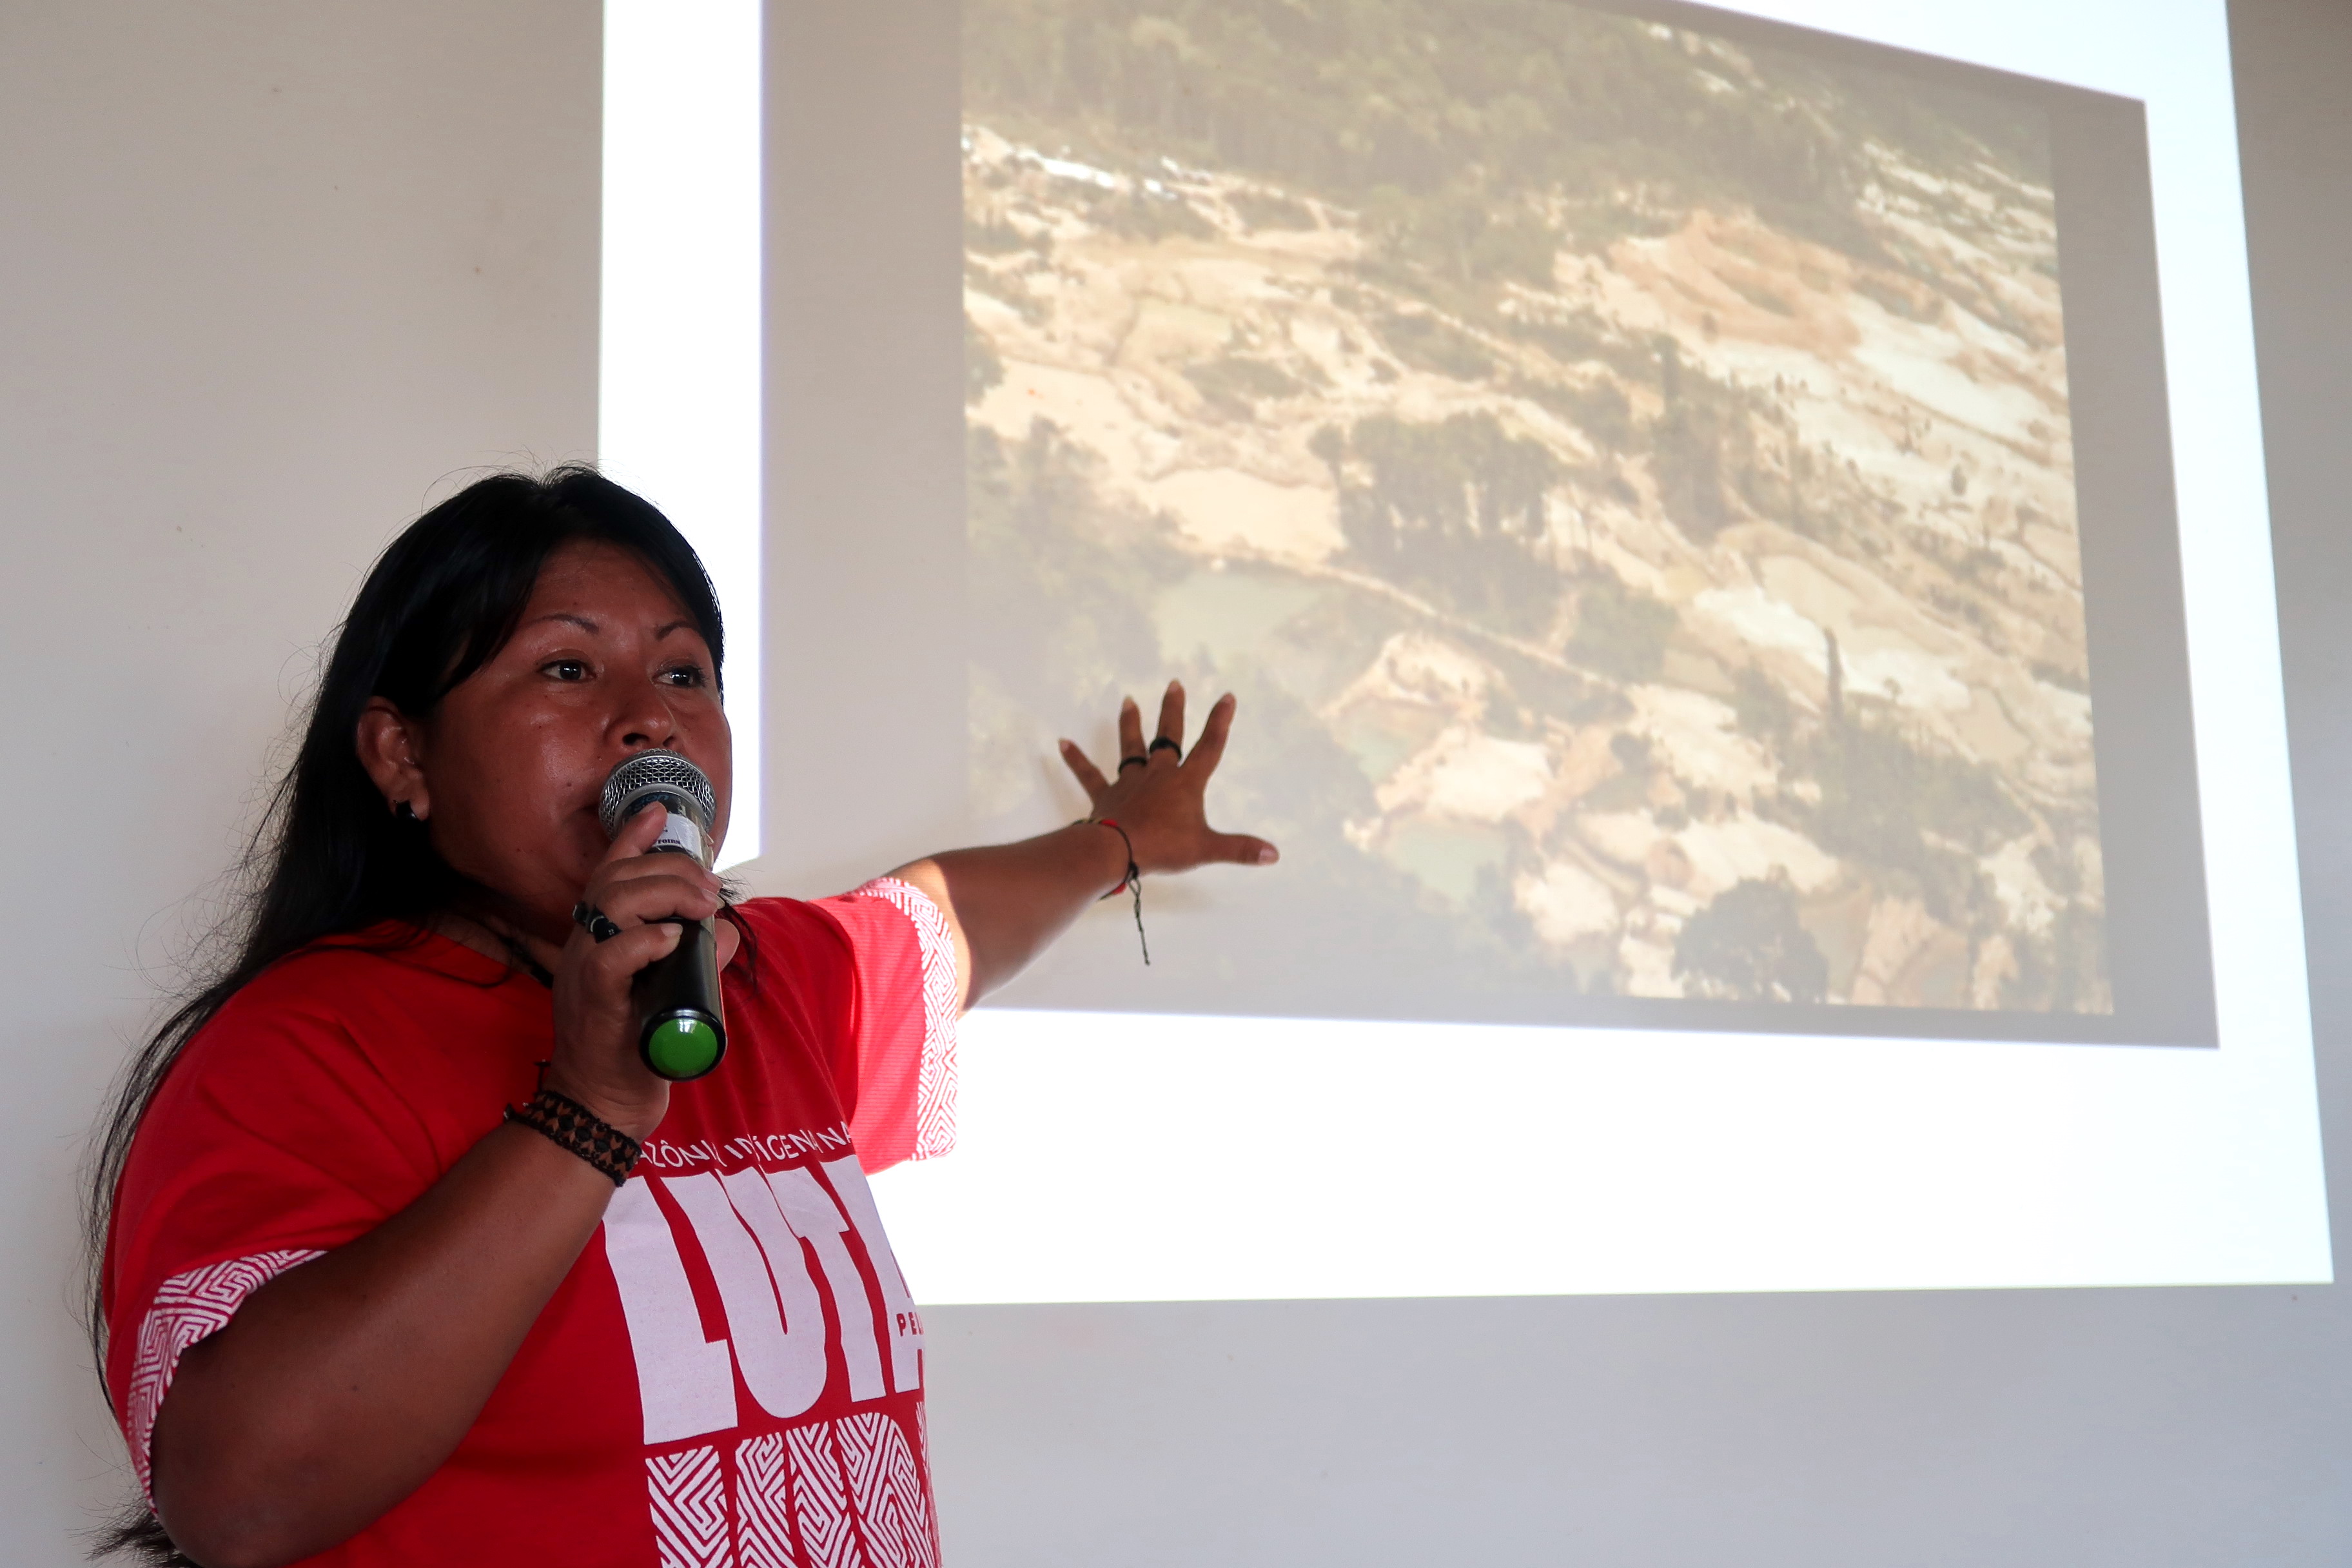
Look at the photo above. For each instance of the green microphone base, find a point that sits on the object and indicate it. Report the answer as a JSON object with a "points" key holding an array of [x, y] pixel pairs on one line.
{"points": [[683, 1046], [681, 1028]]}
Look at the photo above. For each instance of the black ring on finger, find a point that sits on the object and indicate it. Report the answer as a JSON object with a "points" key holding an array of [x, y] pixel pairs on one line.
{"points": [[1165, 745], [1136, 761], [595, 921]]}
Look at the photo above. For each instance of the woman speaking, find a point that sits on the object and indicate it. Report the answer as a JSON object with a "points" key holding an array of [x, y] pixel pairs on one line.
{"points": [[407, 1257]]}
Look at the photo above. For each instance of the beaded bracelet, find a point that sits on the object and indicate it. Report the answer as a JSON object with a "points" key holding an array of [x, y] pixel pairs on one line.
{"points": [[573, 1127]]}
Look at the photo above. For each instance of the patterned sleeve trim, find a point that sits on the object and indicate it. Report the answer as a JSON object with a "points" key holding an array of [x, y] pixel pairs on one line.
{"points": [[935, 1090], [188, 1307]]}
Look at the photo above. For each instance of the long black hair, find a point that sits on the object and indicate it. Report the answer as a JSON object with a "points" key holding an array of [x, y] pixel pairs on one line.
{"points": [[328, 858]]}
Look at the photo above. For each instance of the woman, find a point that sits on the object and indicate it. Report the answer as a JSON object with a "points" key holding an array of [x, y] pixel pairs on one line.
{"points": [[406, 1258]]}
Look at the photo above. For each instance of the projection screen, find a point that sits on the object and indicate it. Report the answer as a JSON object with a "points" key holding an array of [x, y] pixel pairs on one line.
{"points": [[1739, 537]]}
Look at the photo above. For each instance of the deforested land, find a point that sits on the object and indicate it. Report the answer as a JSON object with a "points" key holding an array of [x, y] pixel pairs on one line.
{"points": [[1627, 476]]}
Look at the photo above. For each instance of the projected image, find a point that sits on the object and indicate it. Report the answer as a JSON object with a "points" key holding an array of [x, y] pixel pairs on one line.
{"points": [[1626, 475]]}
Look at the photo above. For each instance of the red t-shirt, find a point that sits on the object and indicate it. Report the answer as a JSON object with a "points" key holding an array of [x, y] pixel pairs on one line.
{"points": [[731, 1374]]}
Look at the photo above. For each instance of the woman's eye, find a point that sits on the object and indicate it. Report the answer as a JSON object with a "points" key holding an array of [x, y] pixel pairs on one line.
{"points": [[568, 669], [684, 674]]}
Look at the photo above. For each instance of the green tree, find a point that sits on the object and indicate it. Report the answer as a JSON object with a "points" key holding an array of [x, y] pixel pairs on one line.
{"points": [[1749, 946], [1619, 629]]}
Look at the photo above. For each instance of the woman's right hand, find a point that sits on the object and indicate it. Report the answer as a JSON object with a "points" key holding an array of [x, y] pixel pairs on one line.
{"points": [[595, 1059]]}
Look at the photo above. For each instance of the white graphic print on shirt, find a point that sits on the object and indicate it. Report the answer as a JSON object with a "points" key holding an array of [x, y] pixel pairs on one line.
{"points": [[850, 1489]]}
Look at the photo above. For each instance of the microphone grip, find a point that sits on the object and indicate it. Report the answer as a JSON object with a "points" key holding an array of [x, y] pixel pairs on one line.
{"points": [[681, 1025]]}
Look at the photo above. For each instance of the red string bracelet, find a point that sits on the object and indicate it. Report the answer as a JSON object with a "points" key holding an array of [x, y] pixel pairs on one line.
{"points": [[1133, 880]]}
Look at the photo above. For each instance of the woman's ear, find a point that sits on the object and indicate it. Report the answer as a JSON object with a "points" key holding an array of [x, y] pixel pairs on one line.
{"points": [[389, 749]]}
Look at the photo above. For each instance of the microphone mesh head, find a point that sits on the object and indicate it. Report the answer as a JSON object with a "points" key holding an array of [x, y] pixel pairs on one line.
{"points": [[658, 776]]}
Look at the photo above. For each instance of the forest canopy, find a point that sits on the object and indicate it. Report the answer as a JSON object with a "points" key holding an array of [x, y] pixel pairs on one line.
{"points": [[1471, 101]]}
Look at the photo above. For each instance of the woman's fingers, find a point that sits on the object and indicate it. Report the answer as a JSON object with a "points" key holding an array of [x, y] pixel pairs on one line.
{"points": [[654, 887], [1210, 749], [1171, 713], [636, 836], [1090, 777], [617, 960], [659, 894], [1130, 729], [1240, 850]]}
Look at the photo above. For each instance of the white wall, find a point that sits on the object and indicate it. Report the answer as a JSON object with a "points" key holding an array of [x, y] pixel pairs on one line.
{"points": [[272, 274]]}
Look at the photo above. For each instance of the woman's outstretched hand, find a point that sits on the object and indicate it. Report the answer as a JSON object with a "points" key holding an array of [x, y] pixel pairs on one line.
{"points": [[1004, 903], [1157, 789]]}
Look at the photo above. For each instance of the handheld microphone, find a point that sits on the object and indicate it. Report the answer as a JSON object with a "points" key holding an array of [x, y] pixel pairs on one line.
{"points": [[681, 1027]]}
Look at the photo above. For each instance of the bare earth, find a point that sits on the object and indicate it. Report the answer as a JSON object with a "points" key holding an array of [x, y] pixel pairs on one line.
{"points": [[1926, 416]]}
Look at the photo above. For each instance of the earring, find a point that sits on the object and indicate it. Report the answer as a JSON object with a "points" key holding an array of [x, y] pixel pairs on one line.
{"points": [[406, 812]]}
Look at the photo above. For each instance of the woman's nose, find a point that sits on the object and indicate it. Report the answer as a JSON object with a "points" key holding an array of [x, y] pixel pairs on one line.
{"points": [[647, 720]]}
